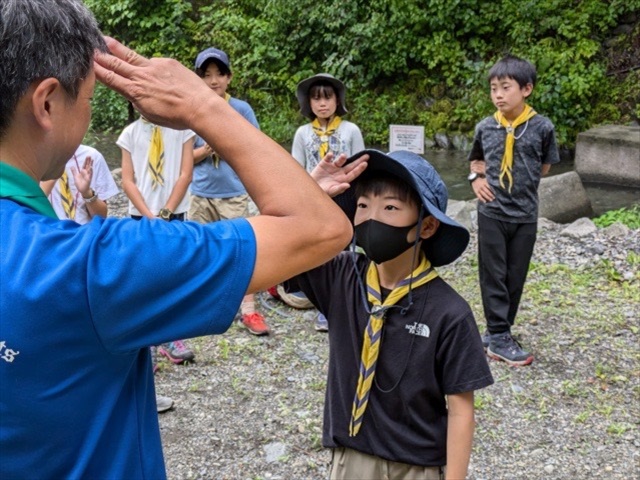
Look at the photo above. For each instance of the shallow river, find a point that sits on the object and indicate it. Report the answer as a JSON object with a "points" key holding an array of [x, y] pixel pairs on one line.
{"points": [[452, 166]]}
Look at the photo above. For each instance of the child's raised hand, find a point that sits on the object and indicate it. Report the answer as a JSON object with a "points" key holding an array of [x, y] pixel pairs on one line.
{"points": [[82, 177], [334, 177]]}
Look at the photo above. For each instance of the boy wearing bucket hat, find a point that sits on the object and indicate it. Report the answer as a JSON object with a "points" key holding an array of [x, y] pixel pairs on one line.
{"points": [[216, 192], [322, 100], [405, 352]]}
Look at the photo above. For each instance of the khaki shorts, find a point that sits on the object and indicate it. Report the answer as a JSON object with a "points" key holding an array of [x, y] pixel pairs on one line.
{"points": [[207, 210], [347, 464]]}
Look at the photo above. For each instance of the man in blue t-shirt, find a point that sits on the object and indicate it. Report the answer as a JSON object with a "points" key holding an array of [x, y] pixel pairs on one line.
{"points": [[91, 298]]}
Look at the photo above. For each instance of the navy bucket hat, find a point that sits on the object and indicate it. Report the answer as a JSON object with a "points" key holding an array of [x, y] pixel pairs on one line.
{"points": [[451, 238], [302, 93]]}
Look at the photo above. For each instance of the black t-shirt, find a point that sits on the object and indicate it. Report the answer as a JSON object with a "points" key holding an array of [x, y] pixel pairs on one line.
{"points": [[534, 146], [431, 351]]}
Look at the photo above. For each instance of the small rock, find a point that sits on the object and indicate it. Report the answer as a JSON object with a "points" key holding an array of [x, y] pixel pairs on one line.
{"points": [[580, 228], [274, 451], [517, 389]]}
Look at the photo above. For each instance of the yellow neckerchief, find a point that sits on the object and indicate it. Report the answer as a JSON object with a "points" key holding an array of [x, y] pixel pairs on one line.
{"points": [[156, 156], [372, 335], [67, 198], [325, 133], [507, 160], [214, 156]]}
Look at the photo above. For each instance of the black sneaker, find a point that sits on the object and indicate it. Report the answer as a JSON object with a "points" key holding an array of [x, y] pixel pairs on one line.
{"points": [[504, 347]]}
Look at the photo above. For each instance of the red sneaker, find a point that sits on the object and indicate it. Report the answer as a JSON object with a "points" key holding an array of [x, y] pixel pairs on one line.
{"points": [[255, 323], [273, 291]]}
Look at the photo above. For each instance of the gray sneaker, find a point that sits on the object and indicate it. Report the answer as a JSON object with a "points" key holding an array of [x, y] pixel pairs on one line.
{"points": [[176, 352], [486, 340], [163, 403], [504, 347], [321, 324]]}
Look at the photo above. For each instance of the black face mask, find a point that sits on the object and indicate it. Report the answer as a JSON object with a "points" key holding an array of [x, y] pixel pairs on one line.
{"points": [[382, 242]]}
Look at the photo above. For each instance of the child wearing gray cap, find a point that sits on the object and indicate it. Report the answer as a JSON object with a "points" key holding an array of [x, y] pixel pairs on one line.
{"points": [[216, 192]]}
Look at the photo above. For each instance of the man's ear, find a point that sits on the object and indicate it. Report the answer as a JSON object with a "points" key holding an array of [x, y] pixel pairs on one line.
{"points": [[527, 89], [429, 227], [46, 100]]}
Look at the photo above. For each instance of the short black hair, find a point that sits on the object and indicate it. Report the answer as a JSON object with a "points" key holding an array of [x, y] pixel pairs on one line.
{"points": [[378, 182], [221, 66], [519, 69]]}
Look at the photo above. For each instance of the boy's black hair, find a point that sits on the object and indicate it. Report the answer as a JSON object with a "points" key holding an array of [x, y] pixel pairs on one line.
{"points": [[377, 183], [221, 66], [510, 66], [322, 90]]}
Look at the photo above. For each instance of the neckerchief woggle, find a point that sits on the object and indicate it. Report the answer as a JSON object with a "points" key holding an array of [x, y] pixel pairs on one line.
{"points": [[507, 160]]}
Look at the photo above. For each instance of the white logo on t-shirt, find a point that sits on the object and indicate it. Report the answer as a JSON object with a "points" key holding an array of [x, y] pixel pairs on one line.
{"points": [[418, 329], [7, 354]]}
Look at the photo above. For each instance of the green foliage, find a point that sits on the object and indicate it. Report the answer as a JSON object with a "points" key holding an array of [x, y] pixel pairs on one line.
{"points": [[110, 110], [628, 216], [403, 61]]}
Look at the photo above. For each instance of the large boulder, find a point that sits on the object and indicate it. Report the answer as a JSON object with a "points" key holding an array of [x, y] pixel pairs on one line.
{"points": [[609, 154], [563, 198], [465, 213]]}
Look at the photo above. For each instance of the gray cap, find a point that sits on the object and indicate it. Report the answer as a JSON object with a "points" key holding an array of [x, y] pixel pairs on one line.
{"points": [[213, 54]]}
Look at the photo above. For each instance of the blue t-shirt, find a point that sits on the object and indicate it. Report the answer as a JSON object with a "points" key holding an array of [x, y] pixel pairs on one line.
{"points": [[80, 304], [220, 181]]}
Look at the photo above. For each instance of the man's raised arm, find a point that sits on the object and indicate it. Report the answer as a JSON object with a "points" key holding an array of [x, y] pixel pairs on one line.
{"points": [[299, 227]]}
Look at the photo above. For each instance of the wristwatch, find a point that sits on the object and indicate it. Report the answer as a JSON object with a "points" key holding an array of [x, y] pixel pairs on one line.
{"points": [[165, 214], [473, 176], [91, 198]]}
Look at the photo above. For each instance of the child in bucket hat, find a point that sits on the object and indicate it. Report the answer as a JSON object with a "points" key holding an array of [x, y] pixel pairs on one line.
{"points": [[322, 99], [405, 351]]}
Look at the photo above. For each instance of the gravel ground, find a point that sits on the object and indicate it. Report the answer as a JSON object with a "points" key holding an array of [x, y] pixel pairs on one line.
{"points": [[251, 407]]}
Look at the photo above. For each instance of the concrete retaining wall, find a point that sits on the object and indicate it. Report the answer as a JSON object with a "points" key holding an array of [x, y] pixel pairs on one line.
{"points": [[609, 154]]}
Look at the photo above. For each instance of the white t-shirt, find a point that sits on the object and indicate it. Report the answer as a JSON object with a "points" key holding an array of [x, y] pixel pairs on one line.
{"points": [[136, 139], [102, 183]]}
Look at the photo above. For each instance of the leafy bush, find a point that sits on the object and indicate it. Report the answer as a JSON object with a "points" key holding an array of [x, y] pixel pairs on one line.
{"points": [[404, 61], [629, 216]]}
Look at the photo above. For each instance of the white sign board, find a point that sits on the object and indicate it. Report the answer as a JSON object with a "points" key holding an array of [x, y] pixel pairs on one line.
{"points": [[406, 137]]}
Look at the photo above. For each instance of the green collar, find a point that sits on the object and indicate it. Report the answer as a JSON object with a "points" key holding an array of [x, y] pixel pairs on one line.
{"points": [[21, 188]]}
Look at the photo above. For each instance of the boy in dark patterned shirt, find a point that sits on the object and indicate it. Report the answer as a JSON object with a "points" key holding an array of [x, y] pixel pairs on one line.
{"points": [[511, 150]]}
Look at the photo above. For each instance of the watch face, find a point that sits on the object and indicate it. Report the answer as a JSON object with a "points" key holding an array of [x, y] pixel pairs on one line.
{"points": [[472, 176]]}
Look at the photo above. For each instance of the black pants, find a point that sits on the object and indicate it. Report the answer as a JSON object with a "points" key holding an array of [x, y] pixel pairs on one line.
{"points": [[504, 252]]}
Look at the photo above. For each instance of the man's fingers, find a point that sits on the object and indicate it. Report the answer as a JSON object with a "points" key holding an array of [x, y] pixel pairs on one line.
{"points": [[130, 57], [116, 69], [109, 78]]}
